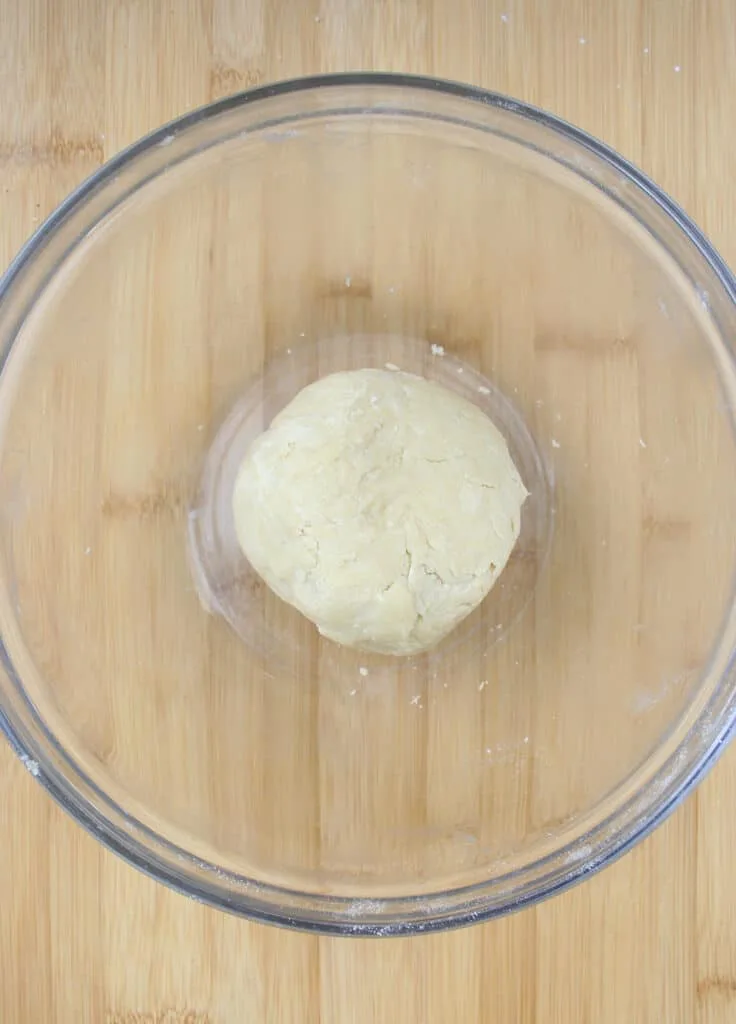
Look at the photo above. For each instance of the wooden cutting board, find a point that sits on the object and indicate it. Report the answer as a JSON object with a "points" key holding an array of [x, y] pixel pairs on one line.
{"points": [[84, 937]]}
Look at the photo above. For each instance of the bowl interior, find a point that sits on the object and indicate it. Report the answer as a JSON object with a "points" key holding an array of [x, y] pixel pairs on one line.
{"points": [[346, 233]]}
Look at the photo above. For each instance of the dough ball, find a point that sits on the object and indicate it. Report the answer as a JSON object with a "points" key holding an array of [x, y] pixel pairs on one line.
{"points": [[382, 505]]}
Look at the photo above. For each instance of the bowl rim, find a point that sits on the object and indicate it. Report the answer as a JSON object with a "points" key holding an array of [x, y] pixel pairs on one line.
{"points": [[341, 915]]}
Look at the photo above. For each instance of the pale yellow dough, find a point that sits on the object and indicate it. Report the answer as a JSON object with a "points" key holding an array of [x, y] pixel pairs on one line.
{"points": [[382, 505]]}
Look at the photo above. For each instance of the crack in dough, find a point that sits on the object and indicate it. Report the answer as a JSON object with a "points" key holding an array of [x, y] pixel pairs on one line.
{"points": [[381, 505]]}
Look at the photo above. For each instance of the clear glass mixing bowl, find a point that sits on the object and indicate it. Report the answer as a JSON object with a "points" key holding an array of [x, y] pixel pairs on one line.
{"points": [[170, 307]]}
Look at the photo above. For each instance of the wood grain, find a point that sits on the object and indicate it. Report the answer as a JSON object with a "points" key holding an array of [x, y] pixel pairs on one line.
{"points": [[83, 937]]}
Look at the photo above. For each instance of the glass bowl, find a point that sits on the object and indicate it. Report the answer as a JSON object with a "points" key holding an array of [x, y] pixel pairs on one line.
{"points": [[162, 316]]}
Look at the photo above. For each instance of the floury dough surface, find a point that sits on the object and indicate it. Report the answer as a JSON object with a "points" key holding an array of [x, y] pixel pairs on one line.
{"points": [[382, 505]]}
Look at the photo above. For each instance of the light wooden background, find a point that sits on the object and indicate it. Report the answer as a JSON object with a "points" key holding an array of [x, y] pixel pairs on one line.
{"points": [[83, 937]]}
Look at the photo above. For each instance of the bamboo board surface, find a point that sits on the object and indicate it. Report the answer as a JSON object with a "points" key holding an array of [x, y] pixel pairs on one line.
{"points": [[84, 937]]}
